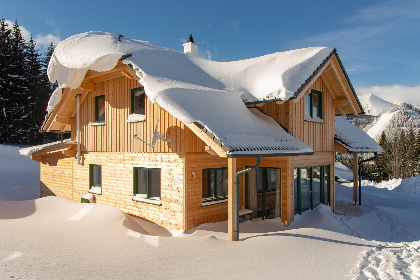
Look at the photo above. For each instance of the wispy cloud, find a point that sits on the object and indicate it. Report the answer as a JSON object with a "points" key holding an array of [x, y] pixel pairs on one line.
{"points": [[41, 40], [368, 27], [211, 27], [209, 53], [45, 40], [25, 32], [235, 25]]}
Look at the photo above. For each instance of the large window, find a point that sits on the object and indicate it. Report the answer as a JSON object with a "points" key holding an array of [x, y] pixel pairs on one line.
{"points": [[263, 192], [100, 109], [313, 105], [147, 183], [95, 179], [214, 187], [311, 187]]}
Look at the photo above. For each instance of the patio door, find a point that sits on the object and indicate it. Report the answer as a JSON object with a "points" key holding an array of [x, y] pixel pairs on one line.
{"points": [[263, 192]]}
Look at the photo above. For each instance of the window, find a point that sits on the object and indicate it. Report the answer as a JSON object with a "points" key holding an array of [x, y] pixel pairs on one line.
{"points": [[138, 105], [311, 187], [95, 179], [100, 109], [313, 105], [147, 185], [214, 185], [263, 192]]}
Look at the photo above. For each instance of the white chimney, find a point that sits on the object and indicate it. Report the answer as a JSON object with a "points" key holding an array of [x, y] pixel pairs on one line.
{"points": [[190, 47]]}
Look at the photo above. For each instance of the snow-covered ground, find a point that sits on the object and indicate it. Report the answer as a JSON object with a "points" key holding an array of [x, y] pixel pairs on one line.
{"points": [[54, 238]]}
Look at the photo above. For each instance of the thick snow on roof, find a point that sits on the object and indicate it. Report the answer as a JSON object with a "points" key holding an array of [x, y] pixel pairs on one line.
{"points": [[197, 90], [30, 150], [353, 138], [272, 76]]}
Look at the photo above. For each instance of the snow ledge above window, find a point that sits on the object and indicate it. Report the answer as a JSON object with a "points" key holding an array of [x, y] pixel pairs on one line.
{"points": [[96, 190], [98, 123], [136, 118], [206, 203], [316, 119], [146, 200]]}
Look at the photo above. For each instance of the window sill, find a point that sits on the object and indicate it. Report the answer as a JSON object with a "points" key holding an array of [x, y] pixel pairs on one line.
{"points": [[212, 202], [146, 200], [96, 190], [316, 119], [98, 123], [133, 118]]}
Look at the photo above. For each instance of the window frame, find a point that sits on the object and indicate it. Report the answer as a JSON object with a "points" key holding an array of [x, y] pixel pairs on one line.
{"points": [[91, 178], [311, 116], [205, 201], [146, 197], [264, 187], [97, 98], [133, 95], [324, 188]]}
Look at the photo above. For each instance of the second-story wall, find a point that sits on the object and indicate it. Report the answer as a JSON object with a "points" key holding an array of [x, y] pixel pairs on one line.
{"points": [[291, 115], [116, 134]]}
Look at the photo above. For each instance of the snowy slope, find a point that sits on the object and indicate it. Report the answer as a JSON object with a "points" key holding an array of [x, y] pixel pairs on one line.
{"points": [[396, 94], [54, 238], [397, 117], [374, 105]]}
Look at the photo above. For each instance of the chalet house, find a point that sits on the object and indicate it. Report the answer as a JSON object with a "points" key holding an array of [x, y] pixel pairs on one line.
{"points": [[180, 141]]}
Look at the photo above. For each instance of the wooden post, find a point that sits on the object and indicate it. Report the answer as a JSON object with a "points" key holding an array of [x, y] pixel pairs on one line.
{"points": [[233, 222], [355, 166]]}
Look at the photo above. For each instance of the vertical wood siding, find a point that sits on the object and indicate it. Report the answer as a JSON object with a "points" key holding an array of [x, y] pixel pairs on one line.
{"points": [[291, 115], [116, 135]]}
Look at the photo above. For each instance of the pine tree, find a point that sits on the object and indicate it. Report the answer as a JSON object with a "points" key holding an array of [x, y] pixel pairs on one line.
{"points": [[35, 95], [416, 155], [5, 46], [410, 152], [382, 170], [16, 108]]}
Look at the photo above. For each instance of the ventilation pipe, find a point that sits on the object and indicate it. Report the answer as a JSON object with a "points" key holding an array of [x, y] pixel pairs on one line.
{"points": [[360, 174], [236, 230], [78, 129]]}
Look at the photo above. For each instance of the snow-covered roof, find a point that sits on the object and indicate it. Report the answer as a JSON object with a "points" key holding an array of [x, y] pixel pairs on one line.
{"points": [[353, 138], [33, 149], [196, 90]]}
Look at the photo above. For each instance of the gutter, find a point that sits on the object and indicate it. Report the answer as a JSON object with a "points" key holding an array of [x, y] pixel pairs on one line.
{"points": [[360, 174]]}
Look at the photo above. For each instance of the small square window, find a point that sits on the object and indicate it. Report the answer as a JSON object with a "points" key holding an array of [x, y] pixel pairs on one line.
{"points": [[147, 183], [313, 105], [100, 109], [95, 181], [138, 101]]}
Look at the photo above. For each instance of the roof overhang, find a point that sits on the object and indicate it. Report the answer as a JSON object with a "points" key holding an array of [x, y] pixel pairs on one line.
{"points": [[351, 139], [63, 115]]}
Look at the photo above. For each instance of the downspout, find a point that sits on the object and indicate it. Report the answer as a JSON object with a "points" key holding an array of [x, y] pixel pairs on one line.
{"points": [[78, 129], [360, 174], [258, 158]]}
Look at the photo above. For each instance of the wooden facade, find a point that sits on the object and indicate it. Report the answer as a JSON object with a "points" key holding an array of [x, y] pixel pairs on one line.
{"points": [[181, 160]]}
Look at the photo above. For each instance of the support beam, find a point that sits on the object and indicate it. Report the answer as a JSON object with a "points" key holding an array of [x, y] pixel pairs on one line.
{"points": [[88, 86], [344, 86], [340, 102], [209, 150], [355, 168], [210, 142], [37, 158], [233, 223]]}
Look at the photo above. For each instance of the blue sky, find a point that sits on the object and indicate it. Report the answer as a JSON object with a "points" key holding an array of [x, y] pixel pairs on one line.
{"points": [[378, 41]]}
